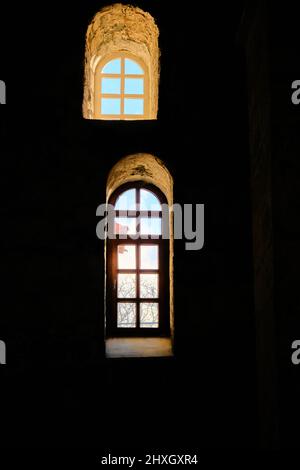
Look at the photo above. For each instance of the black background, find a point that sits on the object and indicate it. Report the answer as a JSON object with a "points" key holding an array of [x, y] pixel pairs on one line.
{"points": [[58, 390]]}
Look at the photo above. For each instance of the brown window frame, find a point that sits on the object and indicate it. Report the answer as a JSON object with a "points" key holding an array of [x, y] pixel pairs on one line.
{"points": [[112, 330]]}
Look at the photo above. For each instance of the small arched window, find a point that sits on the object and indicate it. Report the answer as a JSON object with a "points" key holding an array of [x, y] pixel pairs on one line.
{"points": [[121, 88], [121, 65], [138, 264]]}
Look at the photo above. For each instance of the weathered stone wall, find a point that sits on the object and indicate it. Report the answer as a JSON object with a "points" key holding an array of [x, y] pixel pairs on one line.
{"points": [[121, 28], [141, 167]]}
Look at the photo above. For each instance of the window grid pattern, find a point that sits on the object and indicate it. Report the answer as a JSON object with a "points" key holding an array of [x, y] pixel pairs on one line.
{"points": [[137, 270], [120, 102], [138, 301]]}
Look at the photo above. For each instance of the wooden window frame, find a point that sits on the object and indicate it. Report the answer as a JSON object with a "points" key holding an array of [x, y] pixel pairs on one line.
{"points": [[98, 95], [112, 300]]}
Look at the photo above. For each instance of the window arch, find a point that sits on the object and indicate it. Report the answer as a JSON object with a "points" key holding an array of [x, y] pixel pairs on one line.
{"points": [[124, 32], [121, 87], [139, 281]]}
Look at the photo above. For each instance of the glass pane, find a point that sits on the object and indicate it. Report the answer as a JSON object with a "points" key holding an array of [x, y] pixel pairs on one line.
{"points": [[126, 315], [133, 68], [127, 286], [149, 257], [150, 226], [126, 201], [114, 66], [111, 85], [149, 286], [110, 106], [149, 202], [126, 257], [133, 106], [125, 226], [134, 86], [148, 315]]}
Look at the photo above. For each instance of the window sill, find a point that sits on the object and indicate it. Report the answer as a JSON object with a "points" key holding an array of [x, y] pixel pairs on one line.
{"points": [[138, 347]]}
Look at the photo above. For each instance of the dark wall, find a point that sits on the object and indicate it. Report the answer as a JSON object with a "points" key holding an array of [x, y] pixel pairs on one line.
{"points": [[285, 49], [55, 166], [272, 48], [257, 46]]}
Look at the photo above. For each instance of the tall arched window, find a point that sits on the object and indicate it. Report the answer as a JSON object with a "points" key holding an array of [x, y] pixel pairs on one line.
{"points": [[121, 88], [138, 263], [121, 65], [139, 305]]}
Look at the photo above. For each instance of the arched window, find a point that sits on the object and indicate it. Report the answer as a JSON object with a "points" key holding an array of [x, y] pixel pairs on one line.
{"points": [[139, 305], [138, 263], [121, 88], [121, 65]]}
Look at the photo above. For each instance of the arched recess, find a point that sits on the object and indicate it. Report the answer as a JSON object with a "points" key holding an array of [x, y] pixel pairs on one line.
{"points": [[121, 28], [149, 169]]}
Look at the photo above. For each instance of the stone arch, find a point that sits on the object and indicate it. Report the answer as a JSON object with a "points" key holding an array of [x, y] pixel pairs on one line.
{"points": [[150, 169], [121, 28], [141, 167]]}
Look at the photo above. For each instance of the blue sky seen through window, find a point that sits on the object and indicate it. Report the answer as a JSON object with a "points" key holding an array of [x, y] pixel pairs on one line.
{"points": [[111, 85], [114, 66], [132, 68], [126, 201], [134, 86], [133, 106], [128, 225], [111, 106], [126, 83], [149, 202]]}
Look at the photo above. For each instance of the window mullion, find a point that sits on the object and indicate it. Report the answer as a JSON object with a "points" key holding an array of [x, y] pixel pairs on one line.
{"points": [[138, 286], [100, 94], [122, 85], [137, 201]]}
